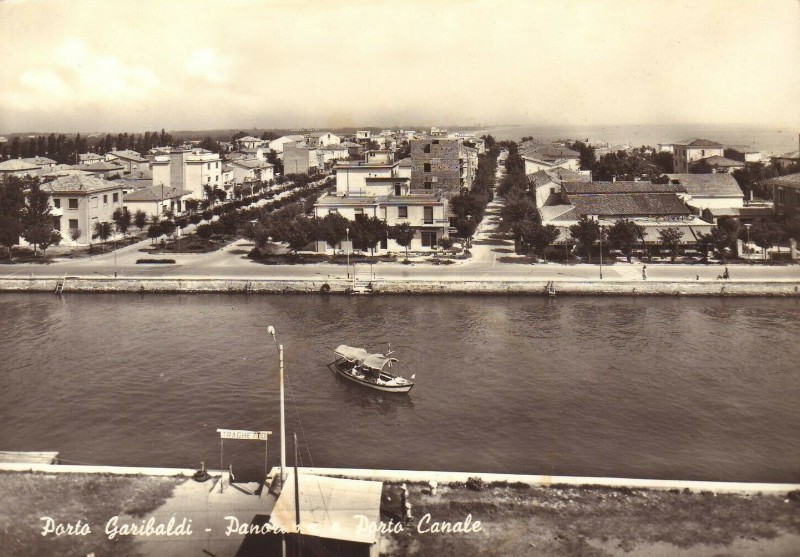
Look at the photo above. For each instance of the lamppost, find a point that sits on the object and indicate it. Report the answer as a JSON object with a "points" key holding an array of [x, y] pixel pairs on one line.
{"points": [[601, 252], [347, 231], [271, 330], [747, 247]]}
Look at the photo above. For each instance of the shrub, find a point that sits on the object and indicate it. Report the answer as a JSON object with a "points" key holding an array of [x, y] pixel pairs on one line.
{"points": [[155, 261], [194, 219], [476, 484]]}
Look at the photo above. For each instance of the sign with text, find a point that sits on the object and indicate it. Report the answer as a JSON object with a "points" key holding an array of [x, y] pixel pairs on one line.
{"points": [[243, 434]]}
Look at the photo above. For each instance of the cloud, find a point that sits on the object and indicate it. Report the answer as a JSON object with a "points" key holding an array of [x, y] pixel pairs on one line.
{"points": [[209, 66], [77, 77]]}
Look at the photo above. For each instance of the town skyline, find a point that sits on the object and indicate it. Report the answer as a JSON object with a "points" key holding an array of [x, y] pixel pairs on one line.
{"points": [[301, 65]]}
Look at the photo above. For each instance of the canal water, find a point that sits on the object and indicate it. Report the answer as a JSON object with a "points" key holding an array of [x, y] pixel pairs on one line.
{"points": [[676, 388]]}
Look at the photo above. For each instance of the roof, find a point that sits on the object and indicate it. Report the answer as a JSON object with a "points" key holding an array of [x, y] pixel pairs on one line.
{"points": [[406, 162], [549, 153], [15, 165], [80, 183], [791, 180], [742, 212], [362, 357], [249, 138], [320, 134], [102, 166], [329, 508], [39, 160], [628, 204], [717, 160], [155, 193], [251, 163], [688, 233], [789, 155], [619, 187], [708, 185], [365, 200], [552, 212], [129, 154], [695, 142]]}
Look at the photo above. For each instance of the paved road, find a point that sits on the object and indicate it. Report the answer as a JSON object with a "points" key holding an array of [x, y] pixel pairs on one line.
{"points": [[492, 259]]}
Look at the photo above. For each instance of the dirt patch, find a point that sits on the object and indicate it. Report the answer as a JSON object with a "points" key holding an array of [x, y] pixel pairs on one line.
{"points": [[517, 520], [66, 498]]}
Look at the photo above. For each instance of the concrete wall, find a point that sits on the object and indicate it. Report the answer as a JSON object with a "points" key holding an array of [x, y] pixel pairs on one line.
{"points": [[342, 285]]}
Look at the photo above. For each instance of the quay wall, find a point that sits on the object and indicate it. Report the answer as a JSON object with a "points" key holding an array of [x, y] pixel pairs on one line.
{"points": [[409, 286], [441, 477]]}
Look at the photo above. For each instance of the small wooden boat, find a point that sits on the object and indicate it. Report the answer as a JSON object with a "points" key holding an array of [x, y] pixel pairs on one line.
{"points": [[369, 370]]}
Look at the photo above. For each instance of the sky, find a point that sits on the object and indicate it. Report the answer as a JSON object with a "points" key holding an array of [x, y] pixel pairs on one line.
{"points": [[142, 65]]}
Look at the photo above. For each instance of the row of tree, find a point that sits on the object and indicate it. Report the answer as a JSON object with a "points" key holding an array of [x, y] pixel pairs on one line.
{"points": [[64, 149]]}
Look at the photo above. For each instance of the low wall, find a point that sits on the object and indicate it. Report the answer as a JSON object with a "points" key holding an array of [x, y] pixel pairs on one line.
{"points": [[406, 286]]}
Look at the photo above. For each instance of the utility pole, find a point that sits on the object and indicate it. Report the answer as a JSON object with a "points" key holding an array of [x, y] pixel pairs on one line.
{"points": [[271, 330]]}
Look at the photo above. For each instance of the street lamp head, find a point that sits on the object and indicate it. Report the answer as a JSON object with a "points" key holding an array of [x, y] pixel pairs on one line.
{"points": [[271, 331]]}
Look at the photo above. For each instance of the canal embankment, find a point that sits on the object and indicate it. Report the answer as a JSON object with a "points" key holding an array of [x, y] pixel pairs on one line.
{"points": [[581, 287]]}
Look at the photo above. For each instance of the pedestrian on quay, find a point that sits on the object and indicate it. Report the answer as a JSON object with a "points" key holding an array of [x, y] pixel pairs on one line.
{"points": [[644, 272], [726, 275]]}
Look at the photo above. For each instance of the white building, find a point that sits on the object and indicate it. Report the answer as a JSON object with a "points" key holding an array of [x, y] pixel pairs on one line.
{"points": [[190, 170], [251, 170], [323, 139], [685, 152], [276, 145]]}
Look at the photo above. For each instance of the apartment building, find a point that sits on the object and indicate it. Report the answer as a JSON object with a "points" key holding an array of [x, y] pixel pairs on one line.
{"points": [[188, 169], [442, 163]]}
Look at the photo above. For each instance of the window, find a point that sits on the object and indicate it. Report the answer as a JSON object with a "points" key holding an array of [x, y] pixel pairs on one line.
{"points": [[428, 239], [398, 190], [57, 203], [428, 185], [331, 211], [359, 211], [402, 212], [208, 166], [428, 215], [94, 202], [105, 200], [73, 224], [72, 203], [427, 148], [115, 198], [426, 167]]}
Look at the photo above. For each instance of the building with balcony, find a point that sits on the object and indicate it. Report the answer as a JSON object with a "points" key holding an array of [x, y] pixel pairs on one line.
{"points": [[786, 194], [129, 160], [442, 163], [251, 170], [78, 202], [376, 189], [188, 169]]}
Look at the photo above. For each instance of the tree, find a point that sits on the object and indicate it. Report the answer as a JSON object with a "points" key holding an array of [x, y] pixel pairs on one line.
{"points": [[191, 205], [297, 232], [671, 238], [624, 234], [140, 220], [371, 231], [466, 227], [717, 238], [765, 233], [585, 233], [518, 208], [167, 227], [403, 234], [541, 236], [103, 231], [122, 220], [333, 229], [205, 231], [154, 231], [12, 204], [36, 218]]}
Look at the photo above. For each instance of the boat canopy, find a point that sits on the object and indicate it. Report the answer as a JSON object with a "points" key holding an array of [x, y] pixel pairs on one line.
{"points": [[364, 358]]}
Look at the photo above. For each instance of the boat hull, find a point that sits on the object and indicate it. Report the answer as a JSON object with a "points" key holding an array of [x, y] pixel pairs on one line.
{"points": [[343, 373]]}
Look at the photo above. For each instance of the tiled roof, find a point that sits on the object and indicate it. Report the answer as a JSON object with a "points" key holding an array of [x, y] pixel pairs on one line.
{"points": [[695, 142], [689, 233], [716, 160], [406, 162], [102, 166], [16, 165], [550, 153], [629, 204], [130, 155], [155, 193], [80, 183], [39, 160], [791, 180], [540, 178], [251, 163], [619, 187], [552, 212], [789, 155], [89, 157], [708, 185], [248, 139]]}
